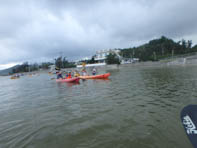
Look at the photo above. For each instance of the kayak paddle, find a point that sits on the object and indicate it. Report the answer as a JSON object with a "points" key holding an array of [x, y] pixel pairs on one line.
{"points": [[189, 121]]}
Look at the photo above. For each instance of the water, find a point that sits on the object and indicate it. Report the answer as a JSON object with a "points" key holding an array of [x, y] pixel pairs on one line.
{"points": [[138, 107]]}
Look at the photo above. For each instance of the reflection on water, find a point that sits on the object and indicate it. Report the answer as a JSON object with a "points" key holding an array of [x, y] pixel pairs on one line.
{"points": [[60, 84], [137, 107]]}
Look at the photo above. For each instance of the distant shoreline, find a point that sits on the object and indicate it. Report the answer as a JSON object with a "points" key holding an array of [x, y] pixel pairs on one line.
{"points": [[186, 61]]}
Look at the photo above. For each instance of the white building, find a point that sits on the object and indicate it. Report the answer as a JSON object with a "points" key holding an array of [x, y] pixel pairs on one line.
{"points": [[101, 55], [129, 60]]}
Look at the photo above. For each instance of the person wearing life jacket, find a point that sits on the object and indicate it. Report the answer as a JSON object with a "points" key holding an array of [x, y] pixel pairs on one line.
{"points": [[76, 73], [84, 73], [94, 71], [69, 76], [59, 75]]}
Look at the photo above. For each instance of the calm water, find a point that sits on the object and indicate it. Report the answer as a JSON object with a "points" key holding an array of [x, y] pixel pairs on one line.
{"points": [[139, 107]]}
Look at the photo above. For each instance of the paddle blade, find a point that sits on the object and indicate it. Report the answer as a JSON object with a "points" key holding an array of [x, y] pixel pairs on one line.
{"points": [[189, 121]]}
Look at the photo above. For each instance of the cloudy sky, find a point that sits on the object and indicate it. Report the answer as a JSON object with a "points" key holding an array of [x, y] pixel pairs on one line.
{"points": [[38, 30]]}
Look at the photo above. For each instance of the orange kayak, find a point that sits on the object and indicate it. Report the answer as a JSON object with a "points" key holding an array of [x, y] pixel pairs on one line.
{"points": [[103, 76], [71, 80]]}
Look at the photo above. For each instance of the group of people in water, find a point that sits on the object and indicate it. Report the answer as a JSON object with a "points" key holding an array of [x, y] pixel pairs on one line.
{"points": [[68, 75]]}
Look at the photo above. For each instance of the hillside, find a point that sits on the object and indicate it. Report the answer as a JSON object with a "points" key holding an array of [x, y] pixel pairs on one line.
{"points": [[6, 72], [158, 49]]}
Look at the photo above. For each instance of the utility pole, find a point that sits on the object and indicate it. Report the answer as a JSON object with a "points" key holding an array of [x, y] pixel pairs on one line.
{"points": [[172, 53], [155, 56], [133, 53], [162, 51], [61, 59]]}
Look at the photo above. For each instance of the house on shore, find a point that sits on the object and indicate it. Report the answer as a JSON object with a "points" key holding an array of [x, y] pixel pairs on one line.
{"points": [[101, 57], [129, 60]]}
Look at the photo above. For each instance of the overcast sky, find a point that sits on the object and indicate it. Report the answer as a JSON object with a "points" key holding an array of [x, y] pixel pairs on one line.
{"points": [[38, 30]]}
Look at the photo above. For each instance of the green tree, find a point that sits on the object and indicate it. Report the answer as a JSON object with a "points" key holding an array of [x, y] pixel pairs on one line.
{"points": [[112, 59], [45, 65], [159, 48], [58, 62], [189, 44], [184, 45], [92, 61], [65, 63]]}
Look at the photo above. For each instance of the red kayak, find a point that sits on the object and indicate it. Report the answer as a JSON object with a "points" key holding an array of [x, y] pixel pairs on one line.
{"points": [[103, 76], [71, 80]]}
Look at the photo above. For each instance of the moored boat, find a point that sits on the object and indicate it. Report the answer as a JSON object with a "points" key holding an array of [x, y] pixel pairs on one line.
{"points": [[102, 76]]}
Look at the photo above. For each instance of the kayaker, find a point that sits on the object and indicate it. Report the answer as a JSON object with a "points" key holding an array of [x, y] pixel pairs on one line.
{"points": [[66, 75], [17, 75], [69, 76], [84, 73], [59, 75], [76, 73], [94, 71]]}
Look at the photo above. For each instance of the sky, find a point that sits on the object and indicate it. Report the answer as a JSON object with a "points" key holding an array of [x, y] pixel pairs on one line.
{"points": [[40, 30]]}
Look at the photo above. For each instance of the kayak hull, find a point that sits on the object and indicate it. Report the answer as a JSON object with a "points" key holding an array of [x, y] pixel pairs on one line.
{"points": [[103, 76], [14, 78], [71, 80]]}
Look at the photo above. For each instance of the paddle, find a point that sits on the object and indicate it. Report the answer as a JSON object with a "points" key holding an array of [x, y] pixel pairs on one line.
{"points": [[189, 121]]}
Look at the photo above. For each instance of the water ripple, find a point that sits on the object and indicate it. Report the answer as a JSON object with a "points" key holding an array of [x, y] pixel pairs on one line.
{"points": [[137, 107]]}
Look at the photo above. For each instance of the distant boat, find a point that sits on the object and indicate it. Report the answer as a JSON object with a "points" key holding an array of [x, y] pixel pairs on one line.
{"points": [[15, 77]]}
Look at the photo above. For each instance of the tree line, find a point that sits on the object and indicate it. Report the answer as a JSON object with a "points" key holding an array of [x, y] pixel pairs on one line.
{"points": [[62, 62], [154, 50], [26, 67]]}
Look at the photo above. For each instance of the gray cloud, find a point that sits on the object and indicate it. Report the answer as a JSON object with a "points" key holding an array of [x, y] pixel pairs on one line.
{"points": [[36, 30]]}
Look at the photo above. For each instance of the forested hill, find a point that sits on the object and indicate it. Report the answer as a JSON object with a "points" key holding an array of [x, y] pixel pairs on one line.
{"points": [[158, 49]]}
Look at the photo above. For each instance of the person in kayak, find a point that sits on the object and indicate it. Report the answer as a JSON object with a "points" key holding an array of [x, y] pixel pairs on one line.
{"points": [[66, 75], [76, 73], [59, 75], [94, 71], [84, 73], [69, 76]]}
